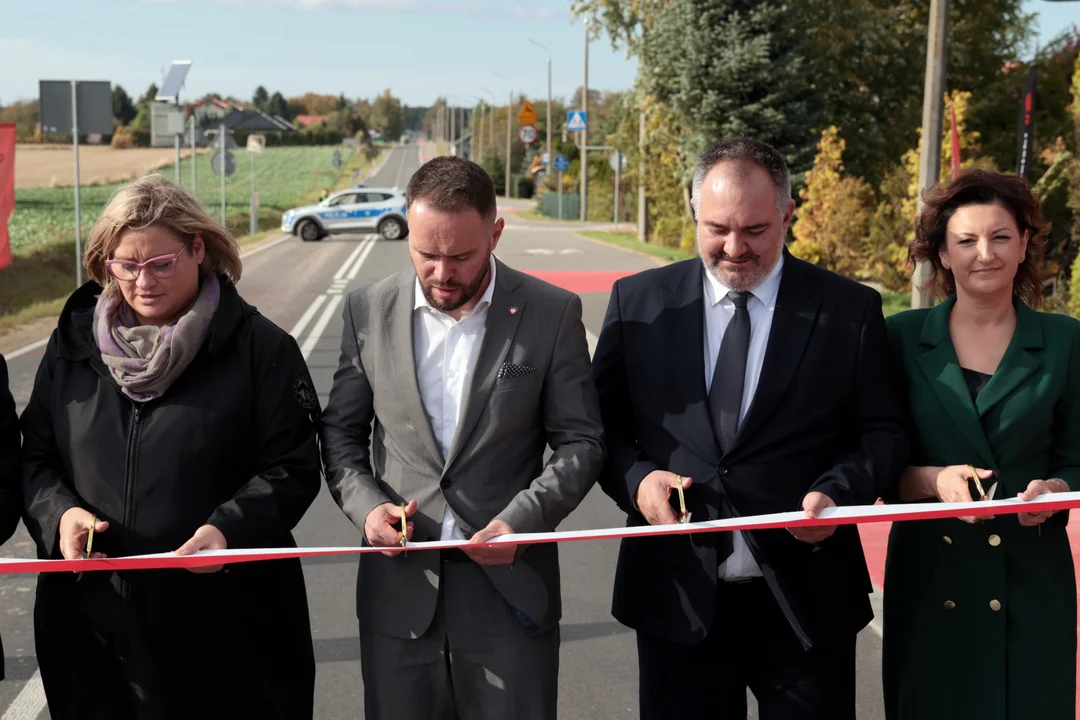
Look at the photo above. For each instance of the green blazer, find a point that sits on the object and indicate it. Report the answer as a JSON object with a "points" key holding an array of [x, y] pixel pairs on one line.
{"points": [[980, 620]]}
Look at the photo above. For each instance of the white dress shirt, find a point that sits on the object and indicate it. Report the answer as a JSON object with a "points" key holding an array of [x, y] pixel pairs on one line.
{"points": [[719, 310], [445, 352]]}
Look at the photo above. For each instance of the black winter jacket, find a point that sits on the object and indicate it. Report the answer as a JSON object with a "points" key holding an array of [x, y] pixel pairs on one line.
{"points": [[231, 443]]}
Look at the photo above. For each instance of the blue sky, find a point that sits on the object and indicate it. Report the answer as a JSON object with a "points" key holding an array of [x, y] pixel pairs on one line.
{"points": [[418, 48]]}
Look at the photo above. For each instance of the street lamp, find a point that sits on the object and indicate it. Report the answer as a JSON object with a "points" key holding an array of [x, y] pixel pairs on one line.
{"points": [[585, 132], [509, 124], [491, 119], [549, 155]]}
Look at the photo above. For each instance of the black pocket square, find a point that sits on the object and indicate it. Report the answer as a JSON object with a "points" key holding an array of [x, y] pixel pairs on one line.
{"points": [[513, 370]]}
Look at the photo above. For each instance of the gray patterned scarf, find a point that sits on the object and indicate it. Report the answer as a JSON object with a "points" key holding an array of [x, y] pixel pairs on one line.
{"points": [[145, 359]]}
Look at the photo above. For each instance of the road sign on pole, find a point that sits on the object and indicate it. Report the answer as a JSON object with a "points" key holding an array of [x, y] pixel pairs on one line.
{"points": [[561, 163], [230, 163], [527, 134], [617, 161], [527, 114], [576, 120]]}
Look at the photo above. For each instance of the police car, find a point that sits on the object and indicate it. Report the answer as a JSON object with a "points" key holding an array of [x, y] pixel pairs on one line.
{"points": [[358, 209]]}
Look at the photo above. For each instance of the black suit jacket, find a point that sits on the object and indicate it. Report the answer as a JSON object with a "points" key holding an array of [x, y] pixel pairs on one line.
{"points": [[826, 416], [10, 488]]}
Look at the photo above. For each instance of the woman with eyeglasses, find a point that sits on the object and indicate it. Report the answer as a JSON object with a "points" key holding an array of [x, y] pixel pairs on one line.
{"points": [[169, 416]]}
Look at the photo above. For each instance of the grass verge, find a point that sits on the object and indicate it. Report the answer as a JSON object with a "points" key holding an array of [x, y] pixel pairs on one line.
{"points": [[629, 241]]}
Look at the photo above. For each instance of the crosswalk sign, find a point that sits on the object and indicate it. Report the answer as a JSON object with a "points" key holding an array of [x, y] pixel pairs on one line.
{"points": [[576, 120]]}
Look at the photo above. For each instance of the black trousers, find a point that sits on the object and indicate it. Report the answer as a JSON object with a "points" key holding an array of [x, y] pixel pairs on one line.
{"points": [[751, 645]]}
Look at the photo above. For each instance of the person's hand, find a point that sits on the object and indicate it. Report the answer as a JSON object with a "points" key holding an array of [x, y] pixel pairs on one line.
{"points": [[1034, 489], [812, 505], [653, 497], [951, 485], [498, 554], [75, 529], [207, 537], [382, 527]]}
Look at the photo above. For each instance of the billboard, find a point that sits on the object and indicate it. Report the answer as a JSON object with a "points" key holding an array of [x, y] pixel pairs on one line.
{"points": [[94, 106]]}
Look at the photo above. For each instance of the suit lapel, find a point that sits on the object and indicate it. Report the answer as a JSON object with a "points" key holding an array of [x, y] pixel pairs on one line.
{"points": [[399, 330], [797, 306], [945, 377], [499, 330], [683, 346], [1018, 364]]}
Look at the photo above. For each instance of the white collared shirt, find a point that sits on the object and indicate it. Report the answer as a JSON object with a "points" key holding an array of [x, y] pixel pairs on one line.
{"points": [[719, 310], [444, 353]]}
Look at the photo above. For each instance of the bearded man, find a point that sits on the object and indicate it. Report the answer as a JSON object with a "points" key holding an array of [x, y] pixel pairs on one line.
{"points": [[454, 377], [758, 383]]}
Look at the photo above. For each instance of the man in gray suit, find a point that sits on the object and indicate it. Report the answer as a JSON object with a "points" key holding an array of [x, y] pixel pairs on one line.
{"points": [[454, 376]]}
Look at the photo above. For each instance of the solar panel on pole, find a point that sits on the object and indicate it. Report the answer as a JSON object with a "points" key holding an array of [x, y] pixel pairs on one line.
{"points": [[174, 80]]}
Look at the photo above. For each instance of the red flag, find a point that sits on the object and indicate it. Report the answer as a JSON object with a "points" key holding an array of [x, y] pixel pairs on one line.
{"points": [[7, 189], [955, 146]]}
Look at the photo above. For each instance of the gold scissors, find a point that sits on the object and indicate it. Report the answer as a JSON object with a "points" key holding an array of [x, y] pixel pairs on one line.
{"points": [[404, 527], [89, 544], [983, 495], [90, 537], [684, 516]]}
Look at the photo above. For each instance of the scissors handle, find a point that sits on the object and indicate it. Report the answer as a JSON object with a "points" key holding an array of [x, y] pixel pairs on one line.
{"points": [[90, 536]]}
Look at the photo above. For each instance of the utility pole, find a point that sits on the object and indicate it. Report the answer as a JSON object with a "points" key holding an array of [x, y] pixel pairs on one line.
{"points": [[551, 158], [509, 126], [930, 155], [585, 133], [453, 130], [642, 214]]}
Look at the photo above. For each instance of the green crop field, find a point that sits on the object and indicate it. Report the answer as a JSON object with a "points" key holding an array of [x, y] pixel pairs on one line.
{"points": [[283, 177]]}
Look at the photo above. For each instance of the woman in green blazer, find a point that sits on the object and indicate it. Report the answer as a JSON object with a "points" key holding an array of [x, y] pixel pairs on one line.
{"points": [[980, 613]]}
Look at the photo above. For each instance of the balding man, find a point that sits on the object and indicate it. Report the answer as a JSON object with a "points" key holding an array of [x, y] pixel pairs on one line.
{"points": [[761, 384]]}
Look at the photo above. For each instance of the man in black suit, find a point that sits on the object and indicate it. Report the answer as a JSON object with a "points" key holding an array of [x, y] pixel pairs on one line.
{"points": [[762, 384]]}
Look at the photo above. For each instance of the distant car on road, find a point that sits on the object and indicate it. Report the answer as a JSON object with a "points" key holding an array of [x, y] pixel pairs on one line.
{"points": [[358, 209]]}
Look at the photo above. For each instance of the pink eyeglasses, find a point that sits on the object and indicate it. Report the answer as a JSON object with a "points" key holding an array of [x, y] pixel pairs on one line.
{"points": [[160, 267]]}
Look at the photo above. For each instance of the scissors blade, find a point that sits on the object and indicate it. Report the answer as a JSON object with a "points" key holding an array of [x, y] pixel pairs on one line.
{"points": [[993, 489]]}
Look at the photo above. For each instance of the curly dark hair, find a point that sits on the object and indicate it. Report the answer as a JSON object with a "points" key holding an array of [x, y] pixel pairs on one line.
{"points": [[981, 187]]}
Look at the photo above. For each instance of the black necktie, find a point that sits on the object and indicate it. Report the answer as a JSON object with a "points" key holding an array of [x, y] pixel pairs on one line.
{"points": [[726, 393]]}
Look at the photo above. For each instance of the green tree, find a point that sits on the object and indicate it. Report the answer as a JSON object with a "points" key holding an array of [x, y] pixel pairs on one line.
{"points": [[831, 224], [277, 105], [148, 96], [123, 108], [260, 98], [387, 116]]}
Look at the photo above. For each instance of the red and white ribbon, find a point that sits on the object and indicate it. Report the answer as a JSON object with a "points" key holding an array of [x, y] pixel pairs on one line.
{"points": [[830, 516]]}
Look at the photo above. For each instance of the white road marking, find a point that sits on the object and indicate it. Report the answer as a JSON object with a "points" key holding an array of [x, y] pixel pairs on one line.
{"points": [[345, 266], [332, 298], [360, 260], [317, 331], [306, 317], [30, 701]]}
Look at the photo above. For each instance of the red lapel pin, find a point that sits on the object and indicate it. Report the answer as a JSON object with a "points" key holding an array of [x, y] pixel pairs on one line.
{"points": [[513, 310]]}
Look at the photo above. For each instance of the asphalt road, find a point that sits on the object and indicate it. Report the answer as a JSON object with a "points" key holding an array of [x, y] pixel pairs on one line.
{"points": [[300, 287]]}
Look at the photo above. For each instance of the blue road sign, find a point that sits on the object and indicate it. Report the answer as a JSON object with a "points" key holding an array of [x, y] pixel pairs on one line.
{"points": [[576, 120], [561, 163]]}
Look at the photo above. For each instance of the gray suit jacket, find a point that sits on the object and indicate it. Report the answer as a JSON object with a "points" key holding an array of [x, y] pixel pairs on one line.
{"points": [[378, 446]]}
